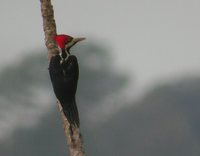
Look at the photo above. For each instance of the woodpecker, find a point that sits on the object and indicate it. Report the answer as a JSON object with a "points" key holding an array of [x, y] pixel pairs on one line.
{"points": [[64, 73]]}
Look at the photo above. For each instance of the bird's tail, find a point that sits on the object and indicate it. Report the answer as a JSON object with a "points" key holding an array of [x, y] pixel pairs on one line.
{"points": [[70, 111]]}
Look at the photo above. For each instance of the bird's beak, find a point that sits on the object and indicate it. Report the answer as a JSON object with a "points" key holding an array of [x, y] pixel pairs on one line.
{"points": [[73, 42], [76, 40]]}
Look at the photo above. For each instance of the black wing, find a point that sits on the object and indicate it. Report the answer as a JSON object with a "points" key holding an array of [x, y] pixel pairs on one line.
{"points": [[64, 78]]}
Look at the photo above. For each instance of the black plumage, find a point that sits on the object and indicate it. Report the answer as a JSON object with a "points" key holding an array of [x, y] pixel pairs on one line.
{"points": [[64, 77]]}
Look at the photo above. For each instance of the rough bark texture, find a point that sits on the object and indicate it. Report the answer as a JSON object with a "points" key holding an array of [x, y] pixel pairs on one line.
{"points": [[73, 135], [49, 27]]}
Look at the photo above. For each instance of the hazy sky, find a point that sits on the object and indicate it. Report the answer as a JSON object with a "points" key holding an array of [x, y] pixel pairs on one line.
{"points": [[150, 40]]}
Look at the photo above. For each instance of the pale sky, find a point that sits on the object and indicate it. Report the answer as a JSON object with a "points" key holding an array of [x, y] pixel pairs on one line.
{"points": [[150, 40]]}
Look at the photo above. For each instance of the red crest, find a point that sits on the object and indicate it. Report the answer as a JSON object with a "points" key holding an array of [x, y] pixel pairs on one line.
{"points": [[62, 40]]}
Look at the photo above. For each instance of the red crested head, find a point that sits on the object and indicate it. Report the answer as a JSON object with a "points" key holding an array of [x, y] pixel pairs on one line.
{"points": [[62, 40]]}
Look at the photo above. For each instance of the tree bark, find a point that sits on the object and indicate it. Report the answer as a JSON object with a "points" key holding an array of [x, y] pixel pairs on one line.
{"points": [[73, 135]]}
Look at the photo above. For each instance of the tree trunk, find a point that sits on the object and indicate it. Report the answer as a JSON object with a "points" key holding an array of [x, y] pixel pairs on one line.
{"points": [[73, 135]]}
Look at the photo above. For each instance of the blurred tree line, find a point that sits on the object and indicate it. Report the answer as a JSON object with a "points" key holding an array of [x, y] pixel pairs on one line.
{"points": [[164, 123]]}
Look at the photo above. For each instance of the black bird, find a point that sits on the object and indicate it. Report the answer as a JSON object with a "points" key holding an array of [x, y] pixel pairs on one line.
{"points": [[64, 73]]}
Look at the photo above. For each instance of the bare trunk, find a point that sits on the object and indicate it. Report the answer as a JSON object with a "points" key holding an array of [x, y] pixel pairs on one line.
{"points": [[73, 136]]}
